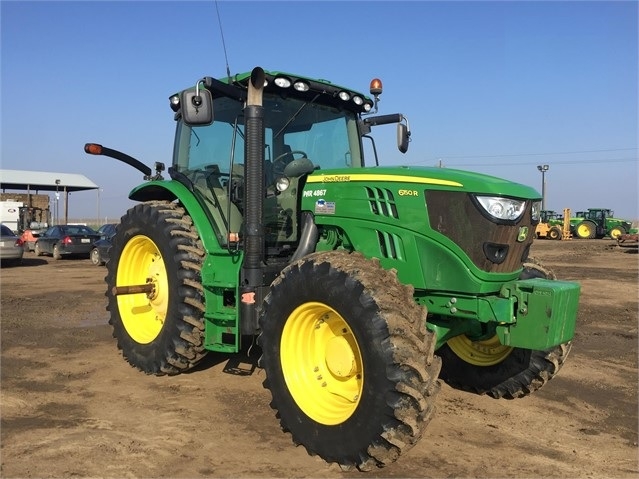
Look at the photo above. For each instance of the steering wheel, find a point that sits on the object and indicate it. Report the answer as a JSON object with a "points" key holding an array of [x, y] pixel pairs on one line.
{"points": [[279, 169]]}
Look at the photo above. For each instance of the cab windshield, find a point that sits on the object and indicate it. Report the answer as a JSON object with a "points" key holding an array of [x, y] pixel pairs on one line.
{"points": [[325, 135]]}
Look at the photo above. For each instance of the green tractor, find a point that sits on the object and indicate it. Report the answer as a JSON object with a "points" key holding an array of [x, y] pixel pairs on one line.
{"points": [[363, 285], [597, 223]]}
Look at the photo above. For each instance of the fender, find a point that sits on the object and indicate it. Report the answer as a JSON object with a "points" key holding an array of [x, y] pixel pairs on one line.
{"points": [[173, 190]]}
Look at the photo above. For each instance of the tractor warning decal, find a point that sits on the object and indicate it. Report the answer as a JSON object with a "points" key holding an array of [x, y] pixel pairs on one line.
{"points": [[323, 207]]}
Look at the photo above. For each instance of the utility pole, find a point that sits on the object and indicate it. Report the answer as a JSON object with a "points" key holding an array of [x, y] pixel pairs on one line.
{"points": [[543, 169], [97, 222], [57, 199]]}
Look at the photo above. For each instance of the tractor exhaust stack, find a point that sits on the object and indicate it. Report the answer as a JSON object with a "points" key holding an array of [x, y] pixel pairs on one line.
{"points": [[253, 266]]}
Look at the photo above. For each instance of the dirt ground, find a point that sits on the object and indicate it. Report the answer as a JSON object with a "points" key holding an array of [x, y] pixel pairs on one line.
{"points": [[72, 407]]}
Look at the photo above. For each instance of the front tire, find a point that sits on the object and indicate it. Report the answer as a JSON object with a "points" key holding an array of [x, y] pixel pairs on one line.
{"points": [[616, 232], [555, 233], [160, 332], [348, 359], [487, 367]]}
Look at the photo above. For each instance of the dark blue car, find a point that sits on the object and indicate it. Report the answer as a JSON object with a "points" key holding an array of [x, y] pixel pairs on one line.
{"points": [[66, 240], [100, 252]]}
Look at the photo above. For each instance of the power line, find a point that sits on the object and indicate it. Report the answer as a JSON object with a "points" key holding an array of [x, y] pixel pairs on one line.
{"points": [[576, 152], [565, 162]]}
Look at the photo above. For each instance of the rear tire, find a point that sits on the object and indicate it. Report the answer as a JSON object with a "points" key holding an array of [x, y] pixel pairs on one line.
{"points": [[504, 372], [162, 332], [348, 359], [56, 252], [585, 230]]}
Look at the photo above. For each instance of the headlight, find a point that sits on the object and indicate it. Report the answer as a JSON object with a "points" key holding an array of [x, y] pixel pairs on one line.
{"points": [[507, 209], [282, 184], [174, 101], [301, 86], [282, 82], [536, 210]]}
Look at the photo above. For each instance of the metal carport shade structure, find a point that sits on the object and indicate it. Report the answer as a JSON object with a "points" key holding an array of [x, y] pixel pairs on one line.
{"points": [[37, 181]]}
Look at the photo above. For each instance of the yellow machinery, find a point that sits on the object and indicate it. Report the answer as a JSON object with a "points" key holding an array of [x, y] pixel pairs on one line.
{"points": [[552, 227], [565, 231]]}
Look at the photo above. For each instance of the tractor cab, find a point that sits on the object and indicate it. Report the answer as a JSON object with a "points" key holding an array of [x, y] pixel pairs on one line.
{"points": [[598, 214], [308, 125], [546, 216]]}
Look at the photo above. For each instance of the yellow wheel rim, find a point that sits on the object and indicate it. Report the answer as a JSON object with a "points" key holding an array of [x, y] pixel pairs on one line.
{"points": [[615, 233], [479, 353], [583, 231], [142, 314], [321, 363]]}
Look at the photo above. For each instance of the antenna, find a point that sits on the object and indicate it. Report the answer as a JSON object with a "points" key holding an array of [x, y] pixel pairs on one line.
{"points": [[219, 21]]}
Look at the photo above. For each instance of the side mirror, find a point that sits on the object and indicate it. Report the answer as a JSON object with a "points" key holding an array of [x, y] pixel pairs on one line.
{"points": [[403, 137], [197, 107]]}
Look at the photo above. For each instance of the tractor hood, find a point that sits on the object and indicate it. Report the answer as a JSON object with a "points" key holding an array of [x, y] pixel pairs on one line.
{"points": [[434, 178]]}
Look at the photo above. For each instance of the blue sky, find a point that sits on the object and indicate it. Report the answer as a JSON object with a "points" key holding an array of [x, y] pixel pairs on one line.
{"points": [[492, 87]]}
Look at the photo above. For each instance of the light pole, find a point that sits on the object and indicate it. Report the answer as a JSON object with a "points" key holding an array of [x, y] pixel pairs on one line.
{"points": [[543, 169], [98, 205], [57, 199]]}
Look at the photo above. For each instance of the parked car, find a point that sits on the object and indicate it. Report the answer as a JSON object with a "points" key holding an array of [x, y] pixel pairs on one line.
{"points": [[100, 252], [65, 240], [107, 229], [11, 249]]}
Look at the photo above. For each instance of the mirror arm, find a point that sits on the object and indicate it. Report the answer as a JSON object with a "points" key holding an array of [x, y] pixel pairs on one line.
{"points": [[384, 119]]}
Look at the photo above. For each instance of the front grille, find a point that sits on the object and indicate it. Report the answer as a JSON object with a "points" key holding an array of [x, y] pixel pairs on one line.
{"points": [[492, 247]]}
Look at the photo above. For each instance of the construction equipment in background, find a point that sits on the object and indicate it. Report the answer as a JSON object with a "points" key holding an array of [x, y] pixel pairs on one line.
{"points": [[598, 223], [32, 222], [23, 211], [629, 240], [553, 225], [33, 218], [566, 234]]}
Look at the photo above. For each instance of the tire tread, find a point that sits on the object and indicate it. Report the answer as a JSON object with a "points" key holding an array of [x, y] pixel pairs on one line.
{"points": [[409, 348], [185, 348]]}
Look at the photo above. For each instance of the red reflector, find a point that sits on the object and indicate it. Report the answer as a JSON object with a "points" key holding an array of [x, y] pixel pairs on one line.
{"points": [[67, 240], [93, 148], [248, 298], [19, 242]]}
